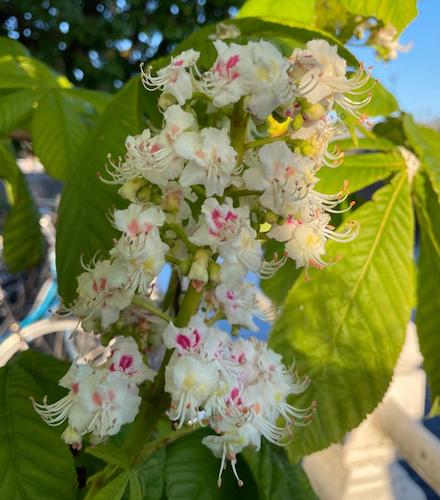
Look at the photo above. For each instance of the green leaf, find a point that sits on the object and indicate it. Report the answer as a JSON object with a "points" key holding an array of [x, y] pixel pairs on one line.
{"points": [[110, 454], [382, 100], [34, 463], [346, 326], [57, 133], [27, 72], [95, 98], [191, 472], [15, 107], [276, 477], [12, 47], [392, 130], [360, 170], [46, 370], [428, 278], [115, 488], [399, 14], [22, 238], [135, 488], [426, 143], [301, 12], [83, 228], [151, 477]]}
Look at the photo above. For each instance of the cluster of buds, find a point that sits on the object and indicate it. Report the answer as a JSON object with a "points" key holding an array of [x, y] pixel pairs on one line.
{"points": [[101, 397], [234, 164]]}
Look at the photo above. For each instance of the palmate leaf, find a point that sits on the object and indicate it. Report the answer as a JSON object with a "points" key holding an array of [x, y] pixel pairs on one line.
{"points": [[22, 238], [34, 462], [83, 227], [300, 12], [399, 14], [428, 290], [58, 131], [345, 327]]}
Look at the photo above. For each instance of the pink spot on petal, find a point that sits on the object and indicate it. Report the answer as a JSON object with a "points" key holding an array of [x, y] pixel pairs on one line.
{"points": [[75, 388], [97, 398], [133, 228], [232, 61], [183, 341], [125, 362]]}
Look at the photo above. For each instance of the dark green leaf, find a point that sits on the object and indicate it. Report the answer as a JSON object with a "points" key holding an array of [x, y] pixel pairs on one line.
{"points": [[110, 454], [46, 370], [345, 327], [83, 227], [276, 477], [57, 133], [191, 472], [22, 238], [35, 464], [115, 488]]}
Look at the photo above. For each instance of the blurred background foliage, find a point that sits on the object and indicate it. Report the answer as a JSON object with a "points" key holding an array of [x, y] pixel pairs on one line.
{"points": [[99, 44]]}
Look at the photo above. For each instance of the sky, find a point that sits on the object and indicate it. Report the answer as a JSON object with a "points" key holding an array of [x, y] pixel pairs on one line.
{"points": [[414, 77]]}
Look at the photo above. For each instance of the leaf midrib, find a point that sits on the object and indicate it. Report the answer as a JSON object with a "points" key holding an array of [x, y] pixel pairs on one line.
{"points": [[368, 260]]}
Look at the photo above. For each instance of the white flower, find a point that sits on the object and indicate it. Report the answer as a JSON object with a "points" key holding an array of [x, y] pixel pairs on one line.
{"points": [[174, 79], [188, 338], [306, 240], [190, 381], [239, 304], [211, 159], [221, 223], [136, 220], [386, 41], [229, 444], [165, 161], [102, 398], [126, 358], [240, 256], [269, 84], [143, 258], [231, 75], [320, 74], [102, 293], [283, 176]]}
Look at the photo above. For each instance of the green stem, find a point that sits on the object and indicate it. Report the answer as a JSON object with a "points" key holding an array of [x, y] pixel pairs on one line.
{"points": [[268, 140], [189, 306], [239, 121], [181, 233], [171, 292], [148, 306]]}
